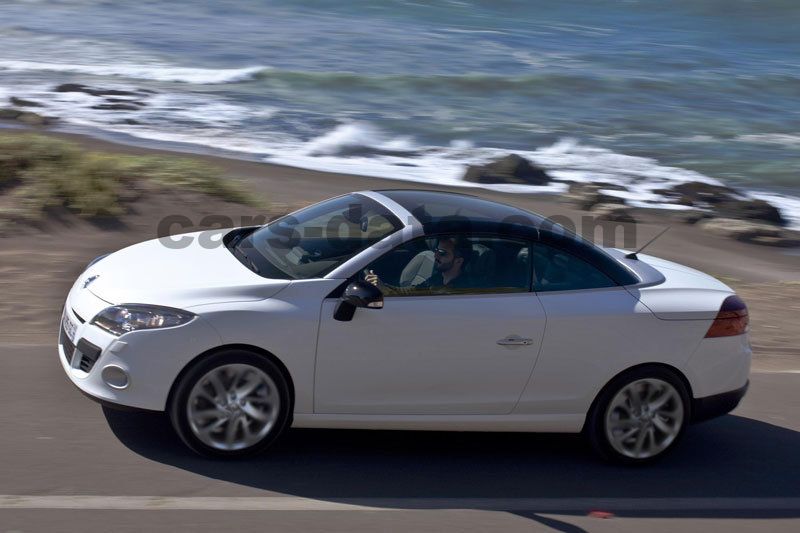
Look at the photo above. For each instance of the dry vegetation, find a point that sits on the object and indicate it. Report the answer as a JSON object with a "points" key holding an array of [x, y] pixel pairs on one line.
{"points": [[38, 173]]}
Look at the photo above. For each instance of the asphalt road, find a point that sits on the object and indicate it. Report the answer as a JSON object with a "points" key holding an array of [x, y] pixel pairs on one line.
{"points": [[68, 465]]}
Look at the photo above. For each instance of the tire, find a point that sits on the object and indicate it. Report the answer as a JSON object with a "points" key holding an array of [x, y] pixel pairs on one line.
{"points": [[616, 421], [233, 403]]}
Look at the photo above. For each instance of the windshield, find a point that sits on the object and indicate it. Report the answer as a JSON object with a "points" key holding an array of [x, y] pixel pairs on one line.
{"points": [[314, 241]]}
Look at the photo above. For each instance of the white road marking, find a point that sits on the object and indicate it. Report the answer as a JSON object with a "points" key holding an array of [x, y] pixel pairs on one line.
{"points": [[765, 371], [293, 503]]}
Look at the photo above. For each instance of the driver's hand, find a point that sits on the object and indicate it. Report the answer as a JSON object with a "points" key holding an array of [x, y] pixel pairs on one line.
{"points": [[373, 278]]}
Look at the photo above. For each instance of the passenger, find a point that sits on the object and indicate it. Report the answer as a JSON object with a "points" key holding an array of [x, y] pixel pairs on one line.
{"points": [[451, 255]]}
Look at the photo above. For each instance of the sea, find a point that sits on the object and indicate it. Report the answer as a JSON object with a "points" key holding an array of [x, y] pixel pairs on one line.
{"points": [[641, 93]]}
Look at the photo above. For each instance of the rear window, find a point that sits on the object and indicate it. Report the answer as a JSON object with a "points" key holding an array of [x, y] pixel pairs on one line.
{"points": [[557, 270]]}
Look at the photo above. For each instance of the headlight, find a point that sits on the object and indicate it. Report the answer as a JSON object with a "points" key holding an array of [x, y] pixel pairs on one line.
{"points": [[124, 318]]}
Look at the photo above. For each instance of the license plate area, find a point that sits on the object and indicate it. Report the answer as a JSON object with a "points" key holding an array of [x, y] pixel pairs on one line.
{"points": [[69, 326]]}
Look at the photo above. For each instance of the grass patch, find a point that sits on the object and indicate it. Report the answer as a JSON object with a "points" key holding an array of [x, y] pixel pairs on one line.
{"points": [[39, 172]]}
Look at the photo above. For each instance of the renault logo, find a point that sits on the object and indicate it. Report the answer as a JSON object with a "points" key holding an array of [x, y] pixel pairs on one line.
{"points": [[90, 280]]}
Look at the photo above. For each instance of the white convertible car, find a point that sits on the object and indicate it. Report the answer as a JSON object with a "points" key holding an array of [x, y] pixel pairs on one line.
{"points": [[406, 310]]}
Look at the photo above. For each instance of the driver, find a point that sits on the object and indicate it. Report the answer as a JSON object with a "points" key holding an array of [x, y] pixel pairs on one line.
{"points": [[450, 258]]}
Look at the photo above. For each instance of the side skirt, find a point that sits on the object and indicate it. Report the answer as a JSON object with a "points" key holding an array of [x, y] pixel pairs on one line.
{"points": [[523, 423]]}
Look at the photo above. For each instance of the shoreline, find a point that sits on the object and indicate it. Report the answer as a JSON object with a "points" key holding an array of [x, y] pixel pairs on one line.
{"points": [[293, 186], [785, 201]]}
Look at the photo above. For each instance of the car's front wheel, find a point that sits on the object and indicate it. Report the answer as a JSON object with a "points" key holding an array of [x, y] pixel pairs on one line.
{"points": [[230, 404], [639, 416]]}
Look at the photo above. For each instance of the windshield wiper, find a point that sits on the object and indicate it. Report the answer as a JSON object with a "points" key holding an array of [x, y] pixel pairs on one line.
{"points": [[239, 252], [240, 235]]}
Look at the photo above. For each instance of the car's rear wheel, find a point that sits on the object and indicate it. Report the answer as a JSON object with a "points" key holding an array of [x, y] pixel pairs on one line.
{"points": [[639, 416], [231, 404]]}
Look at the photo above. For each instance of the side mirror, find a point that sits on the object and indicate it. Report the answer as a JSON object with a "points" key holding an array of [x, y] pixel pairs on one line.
{"points": [[358, 294]]}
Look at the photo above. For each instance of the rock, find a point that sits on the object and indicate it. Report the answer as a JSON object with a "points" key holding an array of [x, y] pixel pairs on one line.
{"points": [[613, 212], [125, 101], [725, 201], [690, 216], [72, 88], [753, 232], [786, 241], [698, 192], [113, 92], [116, 107], [751, 210], [26, 117], [7, 113], [360, 151], [34, 119], [79, 88], [586, 195], [509, 169], [19, 102]]}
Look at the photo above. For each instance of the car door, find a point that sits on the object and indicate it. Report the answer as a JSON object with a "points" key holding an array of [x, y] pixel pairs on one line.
{"points": [[466, 350]]}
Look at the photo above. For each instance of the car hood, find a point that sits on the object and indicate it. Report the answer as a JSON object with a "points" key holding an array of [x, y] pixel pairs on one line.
{"points": [[161, 273]]}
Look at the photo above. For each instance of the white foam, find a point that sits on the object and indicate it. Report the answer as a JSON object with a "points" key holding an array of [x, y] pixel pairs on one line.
{"points": [[356, 134], [781, 139], [788, 205], [155, 72]]}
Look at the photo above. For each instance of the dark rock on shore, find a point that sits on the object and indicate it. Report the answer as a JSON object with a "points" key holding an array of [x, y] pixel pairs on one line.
{"points": [[26, 117], [751, 210], [509, 169], [698, 192], [724, 201], [9, 114], [116, 107], [587, 195], [19, 102], [125, 101], [752, 232], [80, 88], [362, 151], [691, 216], [613, 212]]}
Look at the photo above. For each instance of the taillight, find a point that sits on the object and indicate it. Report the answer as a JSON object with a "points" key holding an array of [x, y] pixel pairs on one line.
{"points": [[732, 319]]}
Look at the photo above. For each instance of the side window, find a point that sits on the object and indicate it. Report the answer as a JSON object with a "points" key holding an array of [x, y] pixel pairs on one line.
{"points": [[453, 264], [556, 270]]}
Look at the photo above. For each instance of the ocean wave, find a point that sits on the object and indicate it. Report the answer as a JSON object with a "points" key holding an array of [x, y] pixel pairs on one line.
{"points": [[152, 72], [556, 81], [358, 138], [482, 83], [781, 139]]}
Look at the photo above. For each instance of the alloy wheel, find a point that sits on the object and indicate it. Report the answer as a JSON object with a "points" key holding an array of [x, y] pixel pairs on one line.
{"points": [[644, 418], [233, 407]]}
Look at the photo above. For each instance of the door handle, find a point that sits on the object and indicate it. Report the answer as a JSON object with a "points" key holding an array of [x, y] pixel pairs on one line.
{"points": [[515, 340]]}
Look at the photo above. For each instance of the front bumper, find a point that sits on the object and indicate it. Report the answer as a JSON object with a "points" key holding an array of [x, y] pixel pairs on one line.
{"points": [[718, 404], [150, 360]]}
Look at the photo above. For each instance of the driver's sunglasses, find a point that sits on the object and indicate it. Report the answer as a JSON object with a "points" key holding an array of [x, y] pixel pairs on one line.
{"points": [[440, 251]]}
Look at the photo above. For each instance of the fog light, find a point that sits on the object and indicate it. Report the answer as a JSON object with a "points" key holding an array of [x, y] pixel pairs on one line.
{"points": [[115, 377]]}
